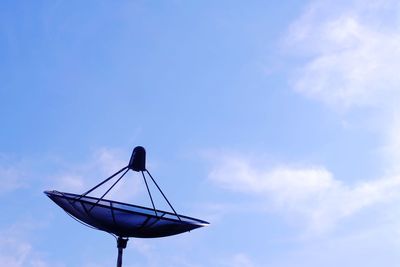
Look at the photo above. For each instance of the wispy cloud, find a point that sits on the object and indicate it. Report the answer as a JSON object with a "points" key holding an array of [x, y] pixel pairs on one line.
{"points": [[349, 56], [351, 51], [11, 179], [375, 246], [240, 260], [16, 250], [312, 193], [12, 175]]}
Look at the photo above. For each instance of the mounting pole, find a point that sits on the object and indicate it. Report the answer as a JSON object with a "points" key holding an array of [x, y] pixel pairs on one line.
{"points": [[121, 244]]}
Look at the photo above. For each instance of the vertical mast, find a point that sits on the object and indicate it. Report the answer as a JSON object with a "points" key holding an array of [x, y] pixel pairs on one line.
{"points": [[121, 244]]}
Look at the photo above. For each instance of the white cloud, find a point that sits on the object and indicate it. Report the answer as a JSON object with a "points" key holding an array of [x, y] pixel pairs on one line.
{"points": [[354, 50], [376, 246], [142, 247], [238, 260], [236, 174], [110, 160], [11, 179], [70, 182], [12, 175], [309, 192], [17, 251], [350, 56]]}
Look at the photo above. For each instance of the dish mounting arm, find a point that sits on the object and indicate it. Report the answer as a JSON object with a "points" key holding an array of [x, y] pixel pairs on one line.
{"points": [[137, 163]]}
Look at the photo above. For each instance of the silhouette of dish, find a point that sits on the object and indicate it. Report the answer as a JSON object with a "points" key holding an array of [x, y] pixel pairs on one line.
{"points": [[121, 219], [125, 220]]}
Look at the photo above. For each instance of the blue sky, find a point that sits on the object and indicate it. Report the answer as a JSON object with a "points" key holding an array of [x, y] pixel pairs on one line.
{"points": [[278, 123]]}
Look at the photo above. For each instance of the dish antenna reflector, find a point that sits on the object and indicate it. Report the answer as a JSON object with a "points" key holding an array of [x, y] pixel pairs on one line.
{"points": [[121, 219]]}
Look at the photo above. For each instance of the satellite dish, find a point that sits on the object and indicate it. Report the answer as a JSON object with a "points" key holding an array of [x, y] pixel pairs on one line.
{"points": [[121, 219]]}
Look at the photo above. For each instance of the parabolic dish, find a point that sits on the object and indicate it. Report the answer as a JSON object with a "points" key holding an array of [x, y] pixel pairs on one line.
{"points": [[124, 220]]}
